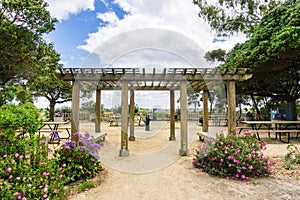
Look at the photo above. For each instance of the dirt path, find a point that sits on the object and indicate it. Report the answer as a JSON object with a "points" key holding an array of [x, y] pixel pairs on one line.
{"points": [[179, 180]]}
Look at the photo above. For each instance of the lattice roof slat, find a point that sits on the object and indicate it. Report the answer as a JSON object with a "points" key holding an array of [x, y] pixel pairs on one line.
{"points": [[153, 79]]}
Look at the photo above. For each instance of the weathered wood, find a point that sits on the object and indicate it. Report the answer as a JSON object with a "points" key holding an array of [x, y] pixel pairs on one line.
{"points": [[124, 120], [183, 151], [231, 106], [202, 135], [99, 136], [172, 116], [131, 137], [75, 106], [205, 111], [98, 111]]}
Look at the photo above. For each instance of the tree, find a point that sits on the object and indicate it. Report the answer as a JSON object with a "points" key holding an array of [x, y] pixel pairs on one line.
{"points": [[273, 55], [46, 84], [217, 55], [22, 24], [234, 15]]}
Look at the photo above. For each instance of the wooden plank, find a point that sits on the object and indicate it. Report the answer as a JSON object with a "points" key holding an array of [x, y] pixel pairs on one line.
{"points": [[231, 102], [99, 137], [205, 111]]}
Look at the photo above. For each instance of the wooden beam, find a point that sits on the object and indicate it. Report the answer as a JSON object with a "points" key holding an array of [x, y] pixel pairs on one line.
{"points": [[231, 107], [124, 120], [183, 151], [98, 112], [75, 106], [205, 111], [172, 116], [131, 137]]}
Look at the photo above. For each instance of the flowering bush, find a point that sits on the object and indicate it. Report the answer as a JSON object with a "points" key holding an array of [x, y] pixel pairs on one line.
{"points": [[292, 157], [82, 156], [236, 155], [19, 179]]}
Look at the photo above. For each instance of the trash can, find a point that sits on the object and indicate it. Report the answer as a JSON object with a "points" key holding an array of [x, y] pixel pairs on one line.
{"points": [[147, 122]]}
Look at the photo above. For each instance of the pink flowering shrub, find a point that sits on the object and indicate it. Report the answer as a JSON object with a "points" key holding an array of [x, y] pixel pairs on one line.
{"points": [[237, 155], [20, 179]]}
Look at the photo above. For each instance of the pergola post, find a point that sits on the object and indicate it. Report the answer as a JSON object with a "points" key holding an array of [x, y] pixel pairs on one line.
{"points": [[183, 151], [131, 137], [231, 106], [172, 116], [75, 106], [205, 111], [98, 111], [124, 120]]}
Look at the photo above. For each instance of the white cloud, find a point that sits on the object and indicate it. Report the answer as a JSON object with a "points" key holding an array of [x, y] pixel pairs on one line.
{"points": [[62, 9], [179, 16]]}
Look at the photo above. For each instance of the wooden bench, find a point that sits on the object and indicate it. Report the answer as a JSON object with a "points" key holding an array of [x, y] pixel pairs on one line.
{"points": [[202, 135], [277, 132], [99, 137]]}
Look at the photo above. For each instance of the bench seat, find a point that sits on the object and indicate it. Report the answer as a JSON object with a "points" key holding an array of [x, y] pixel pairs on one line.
{"points": [[202, 135], [99, 136]]}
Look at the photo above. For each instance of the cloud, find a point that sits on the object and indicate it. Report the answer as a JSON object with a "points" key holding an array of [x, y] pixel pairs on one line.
{"points": [[177, 16], [62, 9]]}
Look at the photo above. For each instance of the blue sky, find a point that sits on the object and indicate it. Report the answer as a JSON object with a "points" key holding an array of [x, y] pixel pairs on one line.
{"points": [[87, 28]]}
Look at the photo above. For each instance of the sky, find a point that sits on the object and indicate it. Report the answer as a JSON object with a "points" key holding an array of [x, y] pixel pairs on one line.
{"points": [[132, 33]]}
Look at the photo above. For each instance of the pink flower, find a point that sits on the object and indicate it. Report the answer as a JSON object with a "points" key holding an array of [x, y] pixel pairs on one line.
{"points": [[236, 161], [60, 176], [239, 171], [5, 156], [213, 158], [247, 178], [243, 177], [237, 175], [229, 165], [250, 167], [24, 178], [247, 133], [18, 178], [226, 152], [64, 165], [250, 157], [253, 152], [215, 149], [8, 170], [45, 174], [55, 191], [17, 155], [21, 156], [213, 169], [221, 160], [229, 157], [30, 179], [237, 152], [10, 177]]}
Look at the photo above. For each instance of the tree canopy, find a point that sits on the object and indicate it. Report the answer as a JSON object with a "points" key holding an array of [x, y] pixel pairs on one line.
{"points": [[22, 24], [234, 15]]}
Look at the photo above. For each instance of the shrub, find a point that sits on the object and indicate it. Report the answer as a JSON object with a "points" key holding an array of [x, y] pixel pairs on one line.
{"points": [[82, 156], [19, 179], [236, 155], [292, 157]]}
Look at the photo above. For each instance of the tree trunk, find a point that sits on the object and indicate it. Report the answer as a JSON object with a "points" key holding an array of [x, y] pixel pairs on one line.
{"points": [[292, 106], [256, 108], [52, 109]]}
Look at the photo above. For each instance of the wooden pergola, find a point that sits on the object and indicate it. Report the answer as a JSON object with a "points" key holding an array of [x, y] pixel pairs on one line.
{"points": [[171, 79]]}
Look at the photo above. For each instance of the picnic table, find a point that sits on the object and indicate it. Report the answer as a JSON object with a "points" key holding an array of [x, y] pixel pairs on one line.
{"points": [[274, 126], [55, 129]]}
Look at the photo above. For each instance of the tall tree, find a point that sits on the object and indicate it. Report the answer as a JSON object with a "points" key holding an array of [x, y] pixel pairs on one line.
{"points": [[22, 24], [273, 55], [46, 84], [234, 15]]}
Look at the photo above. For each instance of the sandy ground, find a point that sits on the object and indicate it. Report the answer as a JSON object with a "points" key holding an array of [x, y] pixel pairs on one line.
{"points": [[155, 171]]}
